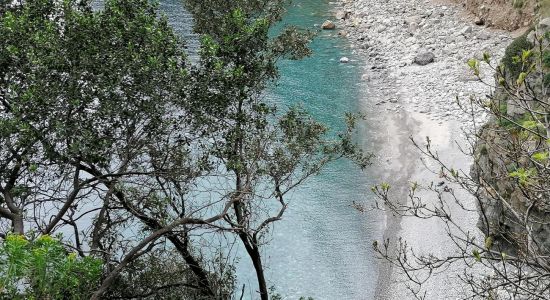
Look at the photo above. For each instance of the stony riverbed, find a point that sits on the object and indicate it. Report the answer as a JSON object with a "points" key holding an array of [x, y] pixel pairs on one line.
{"points": [[392, 34], [416, 55]]}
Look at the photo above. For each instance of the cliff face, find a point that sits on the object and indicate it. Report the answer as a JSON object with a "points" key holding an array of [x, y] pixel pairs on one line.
{"points": [[514, 198], [503, 14], [504, 206]]}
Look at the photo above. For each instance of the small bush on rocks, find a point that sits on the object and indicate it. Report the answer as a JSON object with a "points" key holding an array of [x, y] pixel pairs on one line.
{"points": [[513, 67]]}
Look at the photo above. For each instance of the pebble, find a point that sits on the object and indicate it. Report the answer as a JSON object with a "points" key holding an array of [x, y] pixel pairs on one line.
{"points": [[424, 58], [466, 30], [328, 25]]}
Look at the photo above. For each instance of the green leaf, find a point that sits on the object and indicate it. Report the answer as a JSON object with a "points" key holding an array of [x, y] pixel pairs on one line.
{"points": [[476, 255], [414, 186], [541, 156], [529, 124], [486, 57], [524, 176], [521, 78], [454, 173], [474, 65], [525, 55], [12, 49]]}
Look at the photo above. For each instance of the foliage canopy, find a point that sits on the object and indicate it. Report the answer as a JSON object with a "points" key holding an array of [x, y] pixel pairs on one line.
{"points": [[119, 139]]}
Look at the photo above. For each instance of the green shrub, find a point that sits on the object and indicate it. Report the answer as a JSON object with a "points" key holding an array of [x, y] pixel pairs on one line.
{"points": [[503, 108], [483, 151], [546, 64], [42, 269], [511, 65]]}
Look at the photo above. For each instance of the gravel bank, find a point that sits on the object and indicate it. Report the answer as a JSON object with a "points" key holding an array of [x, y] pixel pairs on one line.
{"points": [[392, 33], [416, 53]]}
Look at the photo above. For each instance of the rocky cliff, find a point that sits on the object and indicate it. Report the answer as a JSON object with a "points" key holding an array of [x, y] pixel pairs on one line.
{"points": [[512, 153], [504, 206]]}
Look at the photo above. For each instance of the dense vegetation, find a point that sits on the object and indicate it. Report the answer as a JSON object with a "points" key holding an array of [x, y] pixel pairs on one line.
{"points": [[142, 159], [129, 170]]}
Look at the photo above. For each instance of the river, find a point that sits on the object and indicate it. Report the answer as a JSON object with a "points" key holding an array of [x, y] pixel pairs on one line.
{"points": [[322, 248]]}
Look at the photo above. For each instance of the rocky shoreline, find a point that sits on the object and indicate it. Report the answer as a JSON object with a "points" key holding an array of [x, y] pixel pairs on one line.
{"points": [[393, 34], [416, 55]]}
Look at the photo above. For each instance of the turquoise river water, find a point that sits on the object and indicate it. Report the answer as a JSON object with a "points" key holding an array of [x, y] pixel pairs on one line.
{"points": [[322, 248]]}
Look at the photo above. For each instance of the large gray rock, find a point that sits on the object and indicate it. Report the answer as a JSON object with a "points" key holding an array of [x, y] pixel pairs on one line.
{"points": [[424, 58], [497, 219]]}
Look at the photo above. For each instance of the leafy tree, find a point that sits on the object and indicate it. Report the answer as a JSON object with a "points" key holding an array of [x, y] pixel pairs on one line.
{"points": [[264, 160], [90, 118], [163, 274], [514, 50], [114, 136]]}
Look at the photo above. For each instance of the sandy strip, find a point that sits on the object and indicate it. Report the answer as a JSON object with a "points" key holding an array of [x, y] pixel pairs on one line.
{"points": [[403, 99]]}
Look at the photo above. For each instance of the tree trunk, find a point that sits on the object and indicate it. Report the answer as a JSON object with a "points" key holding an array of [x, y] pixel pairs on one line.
{"points": [[18, 227], [257, 261], [194, 265], [249, 242], [204, 284], [254, 253]]}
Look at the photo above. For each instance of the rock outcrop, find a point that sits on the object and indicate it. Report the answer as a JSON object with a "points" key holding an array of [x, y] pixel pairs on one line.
{"points": [[514, 211], [503, 203]]}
